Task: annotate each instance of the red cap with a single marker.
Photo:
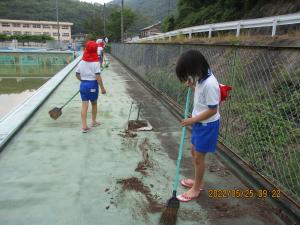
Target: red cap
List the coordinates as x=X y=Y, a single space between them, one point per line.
x=90 y=52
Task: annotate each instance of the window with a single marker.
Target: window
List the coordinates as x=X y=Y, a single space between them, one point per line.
x=7 y=32
x=5 y=25
x=16 y=25
x=37 y=33
x=17 y=32
x=54 y=27
x=65 y=27
x=66 y=35
x=55 y=34
x=46 y=33
x=36 y=25
x=27 y=33
x=26 y=25
x=46 y=26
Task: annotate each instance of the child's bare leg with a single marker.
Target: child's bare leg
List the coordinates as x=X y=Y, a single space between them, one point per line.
x=193 y=155
x=199 y=166
x=85 y=106
x=94 y=112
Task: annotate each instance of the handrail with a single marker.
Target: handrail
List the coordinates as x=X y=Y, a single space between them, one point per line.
x=273 y=22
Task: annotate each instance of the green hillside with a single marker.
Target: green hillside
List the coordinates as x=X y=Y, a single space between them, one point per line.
x=191 y=12
x=156 y=10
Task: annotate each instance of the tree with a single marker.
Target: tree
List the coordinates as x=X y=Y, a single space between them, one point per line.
x=94 y=25
x=168 y=24
x=114 y=22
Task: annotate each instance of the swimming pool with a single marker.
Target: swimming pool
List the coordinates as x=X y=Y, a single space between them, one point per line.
x=24 y=71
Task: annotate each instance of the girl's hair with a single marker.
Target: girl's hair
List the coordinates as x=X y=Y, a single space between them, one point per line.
x=191 y=64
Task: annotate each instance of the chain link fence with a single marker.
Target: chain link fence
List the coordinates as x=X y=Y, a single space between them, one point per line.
x=261 y=121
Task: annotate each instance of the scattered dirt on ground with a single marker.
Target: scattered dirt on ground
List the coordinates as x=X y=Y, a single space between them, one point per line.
x=218 y=209
x=127 y=134
x=136 y=124
x=135 y=184
x=224 y=210
x=215 y=167
x=145 y=163
x=190 y=215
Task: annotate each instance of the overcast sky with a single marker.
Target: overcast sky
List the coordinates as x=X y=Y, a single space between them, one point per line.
x=98 y=1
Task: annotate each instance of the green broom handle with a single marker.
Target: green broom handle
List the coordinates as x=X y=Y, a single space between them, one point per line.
x=181 y=147
x=70 y=99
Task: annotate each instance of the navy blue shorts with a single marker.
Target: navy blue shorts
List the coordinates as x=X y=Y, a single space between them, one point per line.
x=89 y=90
x=205 y=136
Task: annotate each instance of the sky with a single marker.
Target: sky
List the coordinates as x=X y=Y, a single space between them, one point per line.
x=97 y=1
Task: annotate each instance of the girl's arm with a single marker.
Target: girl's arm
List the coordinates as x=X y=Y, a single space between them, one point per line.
x=100 y=82
x=202 y=116
x=78 y=76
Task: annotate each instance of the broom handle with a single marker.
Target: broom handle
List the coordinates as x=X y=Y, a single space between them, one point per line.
x=70 y=99
x=181 y=147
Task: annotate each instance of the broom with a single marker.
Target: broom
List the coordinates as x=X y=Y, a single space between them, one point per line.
x=56 y=111
x=169 y=215
x=106 y=64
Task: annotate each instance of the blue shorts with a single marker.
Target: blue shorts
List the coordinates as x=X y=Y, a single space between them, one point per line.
x=89 y=90
x=205 y=136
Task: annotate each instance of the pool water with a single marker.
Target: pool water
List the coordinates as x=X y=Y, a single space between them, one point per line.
x=21 y=74
x=13 y=91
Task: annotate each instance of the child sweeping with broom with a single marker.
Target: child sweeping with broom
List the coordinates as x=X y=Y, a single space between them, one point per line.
x=193 y=69
x=88 y=72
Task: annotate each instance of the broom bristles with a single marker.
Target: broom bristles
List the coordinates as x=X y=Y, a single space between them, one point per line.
x=169 y=216
x=55 y=113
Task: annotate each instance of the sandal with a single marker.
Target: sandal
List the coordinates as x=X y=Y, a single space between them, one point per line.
x=85 y=130
x=189 y=183
x=184 y=198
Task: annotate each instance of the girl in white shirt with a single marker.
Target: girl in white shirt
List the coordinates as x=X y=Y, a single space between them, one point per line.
x=88 y=72
x=193 y=69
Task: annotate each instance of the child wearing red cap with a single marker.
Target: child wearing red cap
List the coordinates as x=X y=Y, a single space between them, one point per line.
x=88 y=72
x=100 y=50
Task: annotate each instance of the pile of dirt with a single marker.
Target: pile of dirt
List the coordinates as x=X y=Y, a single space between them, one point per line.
x=127 y=134
x=136 y=124
x=145 y=163
x=134 y=184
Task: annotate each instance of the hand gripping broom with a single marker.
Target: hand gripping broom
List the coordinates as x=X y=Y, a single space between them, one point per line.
x=169 y=215
x=56 y=111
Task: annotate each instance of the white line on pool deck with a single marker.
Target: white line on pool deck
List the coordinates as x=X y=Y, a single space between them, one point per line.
x=52 y=174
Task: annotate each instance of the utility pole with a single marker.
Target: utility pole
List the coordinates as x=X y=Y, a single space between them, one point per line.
x=56 y=4
x=104 y=20
x=122 y=22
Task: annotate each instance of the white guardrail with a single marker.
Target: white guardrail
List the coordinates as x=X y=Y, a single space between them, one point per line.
x=273 y=22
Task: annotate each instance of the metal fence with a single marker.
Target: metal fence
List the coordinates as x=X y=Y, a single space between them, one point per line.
x=261 y=121
x=274 y=22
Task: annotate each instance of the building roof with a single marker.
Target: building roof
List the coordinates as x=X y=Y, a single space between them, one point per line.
x=35 y=22
x=149 y=27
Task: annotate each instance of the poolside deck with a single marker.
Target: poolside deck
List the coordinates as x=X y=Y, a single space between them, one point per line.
x=51 y=173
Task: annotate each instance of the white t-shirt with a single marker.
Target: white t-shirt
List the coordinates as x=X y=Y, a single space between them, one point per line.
x=88 y=70
x=99 y=51
x=207 y=95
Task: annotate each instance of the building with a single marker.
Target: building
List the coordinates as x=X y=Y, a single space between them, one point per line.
x=150 y=30
x=18 y=27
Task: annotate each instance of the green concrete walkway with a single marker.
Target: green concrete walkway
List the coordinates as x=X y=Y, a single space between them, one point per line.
x=51 y=173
